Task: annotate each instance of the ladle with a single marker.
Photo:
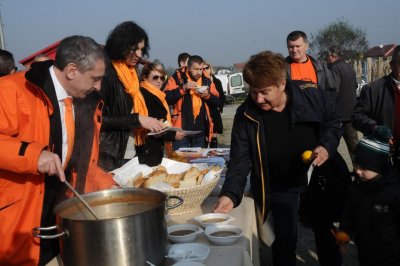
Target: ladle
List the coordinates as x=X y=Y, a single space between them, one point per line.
x=81 y=199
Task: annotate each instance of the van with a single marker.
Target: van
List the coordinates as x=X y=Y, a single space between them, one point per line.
x=232 y=83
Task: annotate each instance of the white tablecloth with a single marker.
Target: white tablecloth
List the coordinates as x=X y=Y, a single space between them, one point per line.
x=245 y=218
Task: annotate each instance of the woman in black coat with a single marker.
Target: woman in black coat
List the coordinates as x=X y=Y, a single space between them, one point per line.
x=150 y=149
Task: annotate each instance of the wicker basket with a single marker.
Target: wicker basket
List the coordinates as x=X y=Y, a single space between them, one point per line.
x=192 y=197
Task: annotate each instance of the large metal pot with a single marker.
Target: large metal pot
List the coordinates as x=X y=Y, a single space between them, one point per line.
x=131 y=229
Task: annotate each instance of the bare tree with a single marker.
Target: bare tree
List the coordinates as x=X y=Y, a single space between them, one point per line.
x=351 y=40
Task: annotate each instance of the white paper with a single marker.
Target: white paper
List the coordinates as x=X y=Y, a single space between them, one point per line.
x=309 y=173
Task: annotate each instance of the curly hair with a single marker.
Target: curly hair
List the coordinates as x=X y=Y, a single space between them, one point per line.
x=125 y=37
x=264 y=69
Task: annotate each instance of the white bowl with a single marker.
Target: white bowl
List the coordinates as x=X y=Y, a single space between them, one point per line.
x=223 y=234
x=188 y=263
x=189 y=252
x=202 y=89
x=180 y=233
x=213 y=219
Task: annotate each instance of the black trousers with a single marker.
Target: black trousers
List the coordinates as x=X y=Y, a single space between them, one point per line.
x=284 y=207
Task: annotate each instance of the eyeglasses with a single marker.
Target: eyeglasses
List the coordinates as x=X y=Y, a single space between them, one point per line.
x=156 y=77
x=206 y=68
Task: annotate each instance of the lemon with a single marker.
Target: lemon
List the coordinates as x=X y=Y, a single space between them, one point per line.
x=306 y=156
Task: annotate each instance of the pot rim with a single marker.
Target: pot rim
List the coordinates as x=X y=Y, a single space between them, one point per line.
x=116 y=195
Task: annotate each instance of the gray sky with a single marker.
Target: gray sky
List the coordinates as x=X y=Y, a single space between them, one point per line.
x=223 y=32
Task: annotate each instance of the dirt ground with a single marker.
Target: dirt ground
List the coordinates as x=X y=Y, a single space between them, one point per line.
x=306 y=252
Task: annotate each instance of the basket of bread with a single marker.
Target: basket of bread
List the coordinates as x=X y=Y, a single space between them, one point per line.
x=192 y=182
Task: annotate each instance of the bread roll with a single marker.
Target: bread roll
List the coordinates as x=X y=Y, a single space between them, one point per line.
x=192 y=173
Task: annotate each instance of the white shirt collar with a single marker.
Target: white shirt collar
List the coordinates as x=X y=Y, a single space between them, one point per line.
x=60 y=91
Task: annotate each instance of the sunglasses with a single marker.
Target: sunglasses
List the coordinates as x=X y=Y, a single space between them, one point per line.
x=206 y=68
x=156 y=77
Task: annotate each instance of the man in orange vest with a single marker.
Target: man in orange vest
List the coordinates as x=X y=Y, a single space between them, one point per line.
x=48 y=133
x=191 y=102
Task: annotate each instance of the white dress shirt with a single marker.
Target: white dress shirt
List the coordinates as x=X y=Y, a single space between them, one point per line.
x=61 y=95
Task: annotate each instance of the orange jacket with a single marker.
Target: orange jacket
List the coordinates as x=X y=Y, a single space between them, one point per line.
x=25 y=112
x=175 y=92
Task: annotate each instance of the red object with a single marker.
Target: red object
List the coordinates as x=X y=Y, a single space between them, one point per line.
x=49 y=51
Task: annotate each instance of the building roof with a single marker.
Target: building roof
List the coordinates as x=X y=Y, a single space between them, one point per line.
x=50 y=51
x=381 y=50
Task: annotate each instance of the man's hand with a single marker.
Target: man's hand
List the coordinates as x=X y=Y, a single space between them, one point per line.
x=321 y=156
x=150 y=123
x=205 y=94
x=189 y=85
x=49 y=163
x=223 y=205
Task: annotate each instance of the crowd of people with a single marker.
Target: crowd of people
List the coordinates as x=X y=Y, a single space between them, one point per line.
x=91 y=110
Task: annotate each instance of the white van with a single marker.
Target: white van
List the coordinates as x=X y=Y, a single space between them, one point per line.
x=232 y=83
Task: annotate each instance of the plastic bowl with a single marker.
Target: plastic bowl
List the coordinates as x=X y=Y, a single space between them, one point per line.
x=213 y=219
x=223 y=234
x=189 y=252
x=183 y=233
x=202 y=89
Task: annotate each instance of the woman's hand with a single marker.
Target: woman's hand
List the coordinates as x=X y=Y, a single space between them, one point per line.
x=223 y=205
x=321 y=155
x=150 y=123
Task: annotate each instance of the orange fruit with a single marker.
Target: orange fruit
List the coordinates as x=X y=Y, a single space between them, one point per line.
x=306 y=156
x=342 y=237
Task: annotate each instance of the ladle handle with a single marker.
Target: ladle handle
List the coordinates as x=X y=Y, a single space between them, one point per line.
x=81 y=199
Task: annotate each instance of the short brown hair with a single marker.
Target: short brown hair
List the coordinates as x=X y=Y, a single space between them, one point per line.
x=150 y=67
x=264 y=69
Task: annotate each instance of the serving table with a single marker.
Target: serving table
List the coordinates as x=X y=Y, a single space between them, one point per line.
x=243 y=252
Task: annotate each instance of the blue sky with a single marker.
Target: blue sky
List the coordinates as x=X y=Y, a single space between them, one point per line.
x=221 y=31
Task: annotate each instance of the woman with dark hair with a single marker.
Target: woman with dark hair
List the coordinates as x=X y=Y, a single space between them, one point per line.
x=125 y=46
x=150 y=149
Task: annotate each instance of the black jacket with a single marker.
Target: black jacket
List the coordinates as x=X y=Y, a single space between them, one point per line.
x=324 y=76
x=372 y=215
x=118 y=120
x=375 y=106
x=344 y=78
x=152 y=151
x=248 y=149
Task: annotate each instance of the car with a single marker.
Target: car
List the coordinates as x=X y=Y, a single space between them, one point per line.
x=361 y=82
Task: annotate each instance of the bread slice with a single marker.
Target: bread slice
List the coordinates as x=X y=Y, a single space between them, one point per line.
x=154 y=178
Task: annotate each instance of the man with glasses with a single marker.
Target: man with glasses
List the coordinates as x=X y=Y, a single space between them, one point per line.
x=192 y=93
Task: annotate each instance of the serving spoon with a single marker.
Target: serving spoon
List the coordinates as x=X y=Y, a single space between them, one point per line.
x=81 y=199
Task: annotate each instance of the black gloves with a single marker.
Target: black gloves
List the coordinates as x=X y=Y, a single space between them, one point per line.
x=382 y=132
